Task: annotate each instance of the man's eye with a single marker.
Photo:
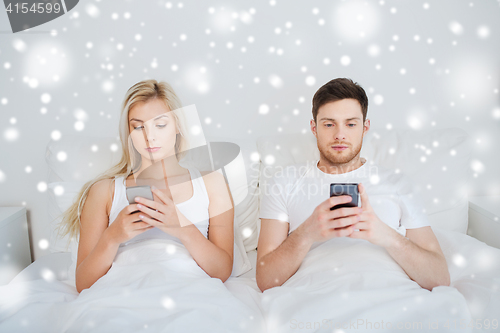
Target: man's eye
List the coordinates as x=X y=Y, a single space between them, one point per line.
x=352 y=125
x=328 y=125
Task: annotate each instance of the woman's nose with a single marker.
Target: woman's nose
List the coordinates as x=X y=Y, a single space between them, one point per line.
x=149 y=133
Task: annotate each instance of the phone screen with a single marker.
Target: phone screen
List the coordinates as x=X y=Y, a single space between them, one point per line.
x=338 y=189
x=143 y=191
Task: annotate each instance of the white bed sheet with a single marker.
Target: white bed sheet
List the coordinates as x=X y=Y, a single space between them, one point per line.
x=337 y=282
x=146 y=289
x=346 y=280
x=58 y=263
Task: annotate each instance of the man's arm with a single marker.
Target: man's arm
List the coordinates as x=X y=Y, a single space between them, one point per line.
x=421 y=257
x=278 y=255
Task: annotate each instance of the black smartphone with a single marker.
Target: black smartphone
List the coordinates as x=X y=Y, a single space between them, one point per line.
x=143 y=191
x=338 y=189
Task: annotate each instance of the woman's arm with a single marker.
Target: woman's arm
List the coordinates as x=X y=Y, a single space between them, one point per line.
x=215 y=254
x=95 y=250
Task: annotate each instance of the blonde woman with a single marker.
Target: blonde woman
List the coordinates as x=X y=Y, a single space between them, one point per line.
x=149 y=120
x=157 y=265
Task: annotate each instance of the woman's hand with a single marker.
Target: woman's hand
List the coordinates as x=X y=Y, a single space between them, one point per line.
x=127 y=225
x=164 y=214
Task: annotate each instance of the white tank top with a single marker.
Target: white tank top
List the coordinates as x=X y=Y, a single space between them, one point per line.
x=194 y=209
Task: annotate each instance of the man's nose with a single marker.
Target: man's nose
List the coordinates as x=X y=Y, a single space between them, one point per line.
x=340 y=135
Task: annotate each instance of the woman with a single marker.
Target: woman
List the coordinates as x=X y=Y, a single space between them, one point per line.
x=150 y=119
x=148 y=266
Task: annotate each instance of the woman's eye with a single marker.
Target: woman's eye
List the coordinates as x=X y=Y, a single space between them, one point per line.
x=139 y=127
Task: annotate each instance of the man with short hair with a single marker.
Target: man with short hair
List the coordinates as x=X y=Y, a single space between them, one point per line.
x=298 y=219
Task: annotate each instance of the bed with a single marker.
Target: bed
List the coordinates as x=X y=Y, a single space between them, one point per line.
x=345 y=285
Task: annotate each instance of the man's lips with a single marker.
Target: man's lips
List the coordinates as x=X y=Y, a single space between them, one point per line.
x=339 y=147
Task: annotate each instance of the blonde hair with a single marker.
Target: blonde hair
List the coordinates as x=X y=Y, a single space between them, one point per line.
x=131 y=160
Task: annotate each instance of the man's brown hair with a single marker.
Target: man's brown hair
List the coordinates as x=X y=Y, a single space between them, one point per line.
x=339 y=89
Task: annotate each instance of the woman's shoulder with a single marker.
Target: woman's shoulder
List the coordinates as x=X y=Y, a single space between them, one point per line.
x=212 y=176
x=104 y=191
x=214 y=182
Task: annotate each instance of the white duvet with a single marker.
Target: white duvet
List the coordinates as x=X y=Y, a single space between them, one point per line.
x=351 y=285
x=153 y=286
x=343 y=285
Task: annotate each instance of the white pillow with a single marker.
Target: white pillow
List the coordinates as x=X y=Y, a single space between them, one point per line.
x=85 y=157
x=57 y=204
x=246 y=211
x=438 y=162
x=403 y=150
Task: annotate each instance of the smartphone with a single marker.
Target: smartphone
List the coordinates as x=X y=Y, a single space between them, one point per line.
x=143 y=191
x=338 y=189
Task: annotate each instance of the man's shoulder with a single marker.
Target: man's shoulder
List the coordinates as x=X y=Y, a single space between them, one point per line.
x=389 y=175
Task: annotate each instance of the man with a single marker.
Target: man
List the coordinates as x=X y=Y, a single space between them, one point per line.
x=299 y=218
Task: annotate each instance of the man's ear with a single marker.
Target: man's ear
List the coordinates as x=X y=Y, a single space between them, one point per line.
x=313 y=127
x=366 y=127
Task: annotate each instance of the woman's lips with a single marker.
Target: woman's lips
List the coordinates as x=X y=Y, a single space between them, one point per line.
x=152 y=150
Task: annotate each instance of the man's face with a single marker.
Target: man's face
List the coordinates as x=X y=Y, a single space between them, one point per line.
x=340 y=123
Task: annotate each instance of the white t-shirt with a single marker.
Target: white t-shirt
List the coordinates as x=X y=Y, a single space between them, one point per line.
x=292 y=193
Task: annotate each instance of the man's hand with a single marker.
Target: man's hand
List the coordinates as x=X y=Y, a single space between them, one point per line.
x=371 y=228
x=324 y=223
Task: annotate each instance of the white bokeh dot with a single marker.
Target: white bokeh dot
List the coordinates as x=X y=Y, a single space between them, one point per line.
x=270 y=159
x=59 y=190
x=168 y=303
x=11 y=134
x=483 y=32
x=41 y=186
x=374 y=179
x=378 y=99
x=345 y=60
x=456 y=28
x=45 y=98
x=264 y=109
x=79 y=125
x=246 y=232
x=195 y=130
x=61 y=156
x=43 y=244
x=254 y=157
x=55 y=135
x=310 y=80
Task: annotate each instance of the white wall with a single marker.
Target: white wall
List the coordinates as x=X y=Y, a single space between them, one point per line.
x=237 y=56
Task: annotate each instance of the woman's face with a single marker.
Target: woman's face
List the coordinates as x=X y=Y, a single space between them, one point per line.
x=153 y=130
